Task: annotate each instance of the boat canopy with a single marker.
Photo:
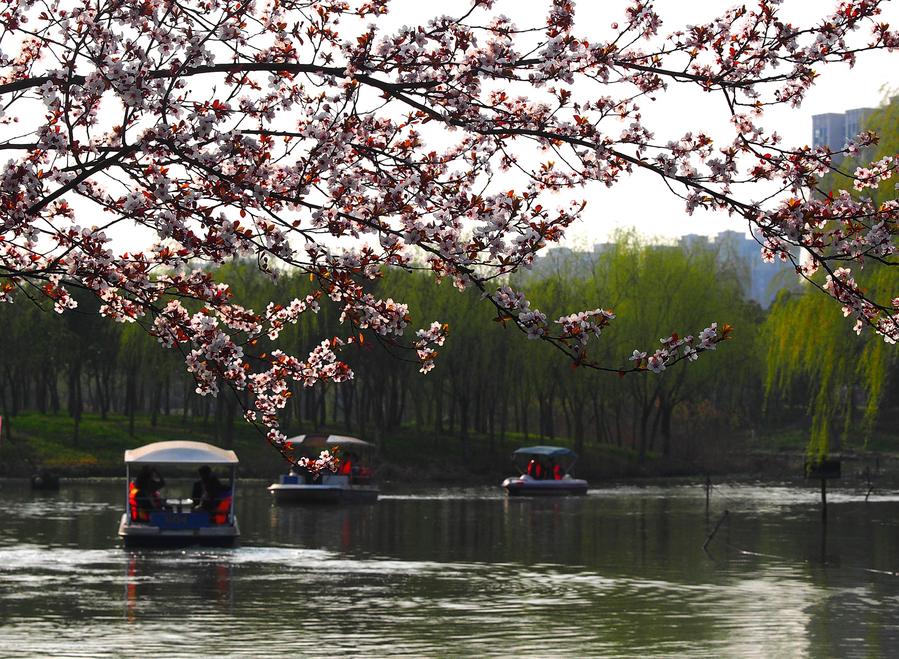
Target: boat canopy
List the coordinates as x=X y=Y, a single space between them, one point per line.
x=545 y=451
x=560 y=455
x=180 y=452
x=322 y=442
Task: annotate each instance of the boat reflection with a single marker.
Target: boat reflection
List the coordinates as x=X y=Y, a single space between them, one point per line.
x=338 y=529
x=154 y=585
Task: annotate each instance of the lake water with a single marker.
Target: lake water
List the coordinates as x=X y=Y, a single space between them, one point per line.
x=620 y=572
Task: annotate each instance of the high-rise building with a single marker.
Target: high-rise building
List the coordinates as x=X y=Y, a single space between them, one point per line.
x=761 y=281
x=835 y=129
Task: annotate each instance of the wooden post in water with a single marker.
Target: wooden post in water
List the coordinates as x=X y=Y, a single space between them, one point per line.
x=823 y=469
x=714 y=531
x=869 y=477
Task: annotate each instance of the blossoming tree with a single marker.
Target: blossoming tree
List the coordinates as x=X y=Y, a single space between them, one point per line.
x=313 y=135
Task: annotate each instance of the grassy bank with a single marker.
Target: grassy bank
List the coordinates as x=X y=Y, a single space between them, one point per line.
x=46 y=441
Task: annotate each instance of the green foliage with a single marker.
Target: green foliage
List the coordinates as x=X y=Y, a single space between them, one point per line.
x=492 y=388
x=811 y=350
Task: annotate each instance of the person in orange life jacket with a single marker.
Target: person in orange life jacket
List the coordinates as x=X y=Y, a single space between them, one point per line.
x=207 y=491
x=148 y=484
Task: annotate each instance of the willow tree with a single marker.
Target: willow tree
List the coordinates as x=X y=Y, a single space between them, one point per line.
x=315 y=134
x=809 y=346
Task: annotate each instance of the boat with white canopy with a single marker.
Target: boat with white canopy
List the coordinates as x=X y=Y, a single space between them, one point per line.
x=351 y=483
x=206 y=517
x=545 y=471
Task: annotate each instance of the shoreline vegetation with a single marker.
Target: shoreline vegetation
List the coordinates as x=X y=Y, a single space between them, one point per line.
x=76 y=391
x=43 y=441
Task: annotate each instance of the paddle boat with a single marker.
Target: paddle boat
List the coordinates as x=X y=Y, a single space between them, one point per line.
x=351 y=483
x=45 y=480
x=545 y=471
x=206 y=518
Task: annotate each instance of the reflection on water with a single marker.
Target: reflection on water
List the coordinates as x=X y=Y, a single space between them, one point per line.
x=619 y=572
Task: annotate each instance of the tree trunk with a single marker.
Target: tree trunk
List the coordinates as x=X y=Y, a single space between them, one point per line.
x=438 y=407
x=167 y=395
x=523 y=417
x=322 y=406
x=131 y=398
x=13 y=392
x=155 y=395
x=665 y=412
x=102 y=392
x=230 y=414
x=644 y=433
x=578 y=417
x=188 y=400
x=463 y=423
x=503 y=419
x=418 y=405
x=347 y=392
x=53 y=389
x=75 y=400
x=335 y=409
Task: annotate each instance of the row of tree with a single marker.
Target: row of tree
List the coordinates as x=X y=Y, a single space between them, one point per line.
x=490 y=380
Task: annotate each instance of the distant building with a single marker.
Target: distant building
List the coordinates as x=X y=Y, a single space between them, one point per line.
x=761 y=281
x=834 y=130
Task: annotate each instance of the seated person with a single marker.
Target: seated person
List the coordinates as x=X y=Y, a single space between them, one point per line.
x=303 y=475
x=361 y=474
x=144 y=494
x=535 y=469
x=207 y=491
x=558 y=474
x=346 y=465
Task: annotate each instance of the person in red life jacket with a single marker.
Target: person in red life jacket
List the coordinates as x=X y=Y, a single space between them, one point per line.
x=137 y=514
x=143 y=495
x=536 y=470
x=557 y=472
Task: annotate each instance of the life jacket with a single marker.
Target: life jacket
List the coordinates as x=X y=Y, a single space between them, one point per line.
x=557 y=472
x=346 y=467
x=220 y=514
x=137 y=513
x=363 y=475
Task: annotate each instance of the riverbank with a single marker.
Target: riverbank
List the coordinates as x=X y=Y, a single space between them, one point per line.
x=45 y=441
